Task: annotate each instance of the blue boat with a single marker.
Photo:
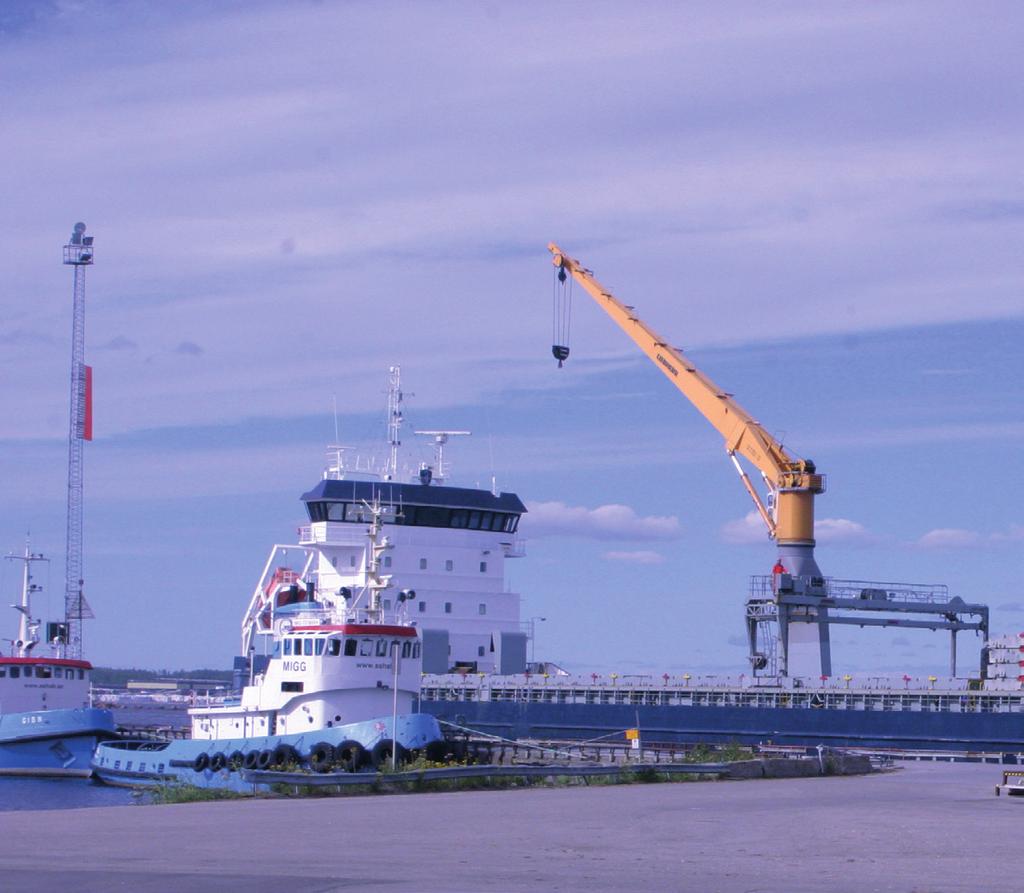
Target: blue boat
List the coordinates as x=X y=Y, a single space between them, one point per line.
x=47 y=724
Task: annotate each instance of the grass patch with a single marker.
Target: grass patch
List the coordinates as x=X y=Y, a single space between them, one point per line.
x=182 y=792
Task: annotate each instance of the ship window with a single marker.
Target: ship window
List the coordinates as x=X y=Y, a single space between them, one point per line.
x=459 y=518
x=485 y=520
x=308 y=647
x=350 y=648
x=291 y=686
x=423 y=564
x=483 y=567
x=449 y=565
x=482 y=608
x=287 y=646
x=423 y=607
x=447 y=607
x=365 y=647
x=334 y=648
x=430 y=516
x=3 y=671
x=415 y=649
x=499 y=521
x=382 y=648
x=43 y=672
x=320 y=646
x=335 y=511
x=474 y=520
x=58 y=673
x=510 y=523
x=479 y=650
x=406 y=649
x=81 y=674
x=117 y=764
x=16 y=672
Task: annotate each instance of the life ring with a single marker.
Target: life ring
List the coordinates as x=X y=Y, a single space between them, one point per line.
x=380 y=756
x=251 y=759
x=236 y=760
x=265 y=759
x=285 y=755
x=321 y=757
x=350 y=755
x=218 y=761
x=201 y=762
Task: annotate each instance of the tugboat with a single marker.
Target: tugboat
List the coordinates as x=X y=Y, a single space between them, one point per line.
x=335 y=692
x=48 y=727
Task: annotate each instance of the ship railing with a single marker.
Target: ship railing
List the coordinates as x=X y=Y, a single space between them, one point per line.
x=762 y=588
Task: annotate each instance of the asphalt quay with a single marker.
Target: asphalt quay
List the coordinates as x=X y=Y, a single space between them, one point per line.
x=922 y=828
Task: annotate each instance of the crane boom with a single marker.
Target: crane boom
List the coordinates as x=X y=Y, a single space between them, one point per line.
x=792 y=482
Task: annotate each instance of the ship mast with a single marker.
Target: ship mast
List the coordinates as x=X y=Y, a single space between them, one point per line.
x=79 y=254
x=28 y=627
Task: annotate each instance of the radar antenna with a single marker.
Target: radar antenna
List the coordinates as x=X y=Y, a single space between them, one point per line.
x=440 y=439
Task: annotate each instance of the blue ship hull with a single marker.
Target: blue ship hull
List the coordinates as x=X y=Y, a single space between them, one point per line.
x=52 y=743
x=910 y=730
x=191 y=761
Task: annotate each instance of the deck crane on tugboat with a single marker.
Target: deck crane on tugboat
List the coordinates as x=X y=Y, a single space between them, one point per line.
x=798 y=597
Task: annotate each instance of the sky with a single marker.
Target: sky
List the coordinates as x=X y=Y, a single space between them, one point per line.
x=822 y=203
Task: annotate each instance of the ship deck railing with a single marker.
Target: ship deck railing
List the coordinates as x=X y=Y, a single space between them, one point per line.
x=560 y=690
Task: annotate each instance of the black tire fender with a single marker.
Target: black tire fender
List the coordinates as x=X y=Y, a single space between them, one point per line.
x=350 y=755
x=265 y=759
x=321 y=757
x=251 y=760
x=201 y=762
x=218 y=761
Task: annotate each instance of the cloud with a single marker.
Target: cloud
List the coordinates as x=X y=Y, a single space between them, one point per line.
x=190 y=349
x=118 y=342
x=841 y=531
x=748 y=529
x=642 y=556
x=606 y=522
x=949 y=538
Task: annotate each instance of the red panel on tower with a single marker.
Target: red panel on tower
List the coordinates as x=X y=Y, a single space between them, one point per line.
x=87 y=419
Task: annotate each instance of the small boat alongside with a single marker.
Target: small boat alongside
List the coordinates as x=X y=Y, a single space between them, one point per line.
x=48 y=727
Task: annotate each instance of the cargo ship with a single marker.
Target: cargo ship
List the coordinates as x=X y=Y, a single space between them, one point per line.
x=449 y=545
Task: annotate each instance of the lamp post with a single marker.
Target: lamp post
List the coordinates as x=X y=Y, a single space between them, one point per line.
x=533 y=635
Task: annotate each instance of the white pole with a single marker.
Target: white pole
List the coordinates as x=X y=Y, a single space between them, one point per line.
x=394 y=707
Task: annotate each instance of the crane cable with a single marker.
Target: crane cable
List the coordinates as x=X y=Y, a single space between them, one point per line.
x=561 y=315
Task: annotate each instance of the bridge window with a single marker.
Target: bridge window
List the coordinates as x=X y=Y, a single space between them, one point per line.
x=459 y=517
x=81 y=674
x=320 y=646
x=3 y=671
x=307 y=647
x=406 y=649
x=335 y=511
x=365 y=647
x=43 y=672
x=350 y=648
x=287 y=646
x=291 y=686
x=58 y=672
x=474 y=520
x=415 y=649
x=382 y=648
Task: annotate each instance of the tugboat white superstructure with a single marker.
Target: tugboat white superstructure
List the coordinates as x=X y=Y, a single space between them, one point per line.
x=336 y=689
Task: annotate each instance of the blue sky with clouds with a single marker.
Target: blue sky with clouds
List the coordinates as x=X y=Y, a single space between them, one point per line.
x=822 y=203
